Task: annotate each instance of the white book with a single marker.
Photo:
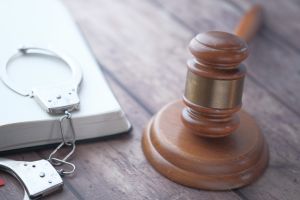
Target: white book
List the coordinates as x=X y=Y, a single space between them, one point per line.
x=23 y=123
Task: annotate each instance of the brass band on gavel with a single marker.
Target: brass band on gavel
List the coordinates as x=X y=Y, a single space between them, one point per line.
x=215 y=93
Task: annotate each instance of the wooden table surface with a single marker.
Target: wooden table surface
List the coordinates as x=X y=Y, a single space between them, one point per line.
x=141 y=46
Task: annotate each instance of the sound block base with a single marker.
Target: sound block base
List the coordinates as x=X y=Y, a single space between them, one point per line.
x=212 y=164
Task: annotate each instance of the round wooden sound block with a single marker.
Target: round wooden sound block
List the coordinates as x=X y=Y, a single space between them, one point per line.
x=205 y=163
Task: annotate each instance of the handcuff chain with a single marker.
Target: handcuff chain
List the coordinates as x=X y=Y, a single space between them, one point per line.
x=71 y=143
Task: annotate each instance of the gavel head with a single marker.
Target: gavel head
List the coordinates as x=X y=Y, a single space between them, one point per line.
x=214 y=84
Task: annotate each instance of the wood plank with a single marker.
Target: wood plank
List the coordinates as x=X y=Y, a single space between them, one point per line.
x=134 y=49
x=149 y=61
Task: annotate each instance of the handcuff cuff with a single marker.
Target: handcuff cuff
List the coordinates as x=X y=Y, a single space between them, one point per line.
x=40 y=178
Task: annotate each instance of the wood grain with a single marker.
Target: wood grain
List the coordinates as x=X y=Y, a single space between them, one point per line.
x=142 y=46
x=147 y=65
x=178 y=153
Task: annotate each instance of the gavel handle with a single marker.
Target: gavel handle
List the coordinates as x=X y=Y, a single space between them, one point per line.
x=250 y=23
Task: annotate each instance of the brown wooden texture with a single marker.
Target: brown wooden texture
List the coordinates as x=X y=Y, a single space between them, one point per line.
x=142 y=47
x=250 y=23
x=214 y=83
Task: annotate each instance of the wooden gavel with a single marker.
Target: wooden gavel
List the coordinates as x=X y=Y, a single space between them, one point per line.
x=214 y=83
x=206 y=141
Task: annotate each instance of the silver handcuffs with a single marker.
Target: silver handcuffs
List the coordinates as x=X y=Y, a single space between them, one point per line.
x=40 y=178
x=53 y=98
